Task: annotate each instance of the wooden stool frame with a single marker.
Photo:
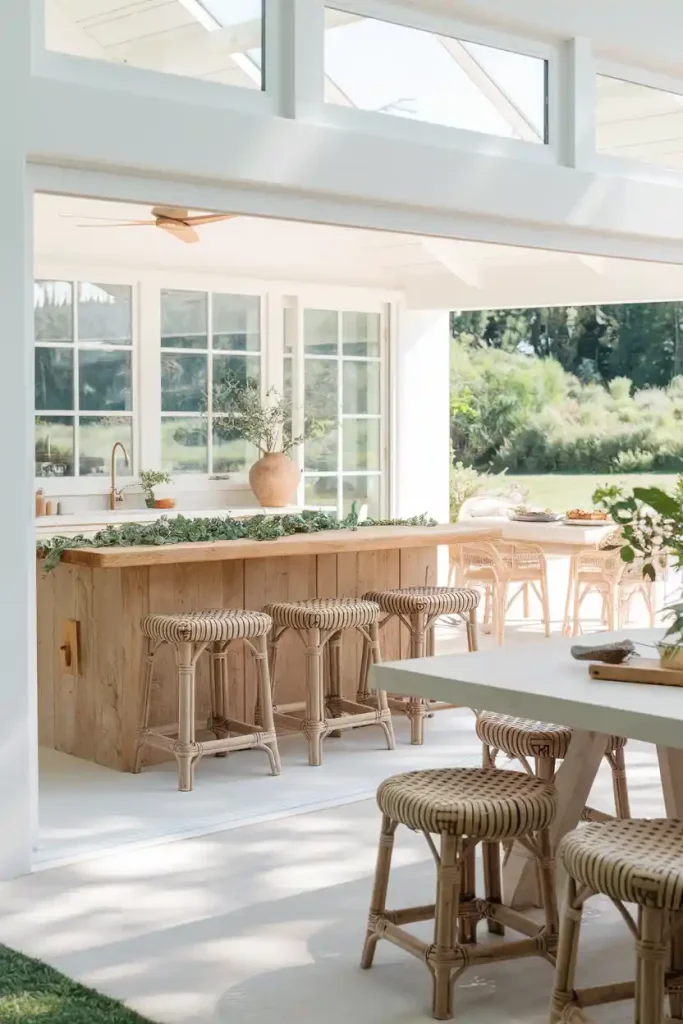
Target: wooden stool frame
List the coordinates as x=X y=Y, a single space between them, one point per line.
x=326 y=712
x=231 y=734
x=421 y=629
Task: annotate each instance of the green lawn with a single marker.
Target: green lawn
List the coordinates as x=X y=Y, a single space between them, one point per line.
x=33 y=993
x=561 y=492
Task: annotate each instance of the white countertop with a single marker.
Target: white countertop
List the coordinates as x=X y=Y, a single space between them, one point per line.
x=84 y=522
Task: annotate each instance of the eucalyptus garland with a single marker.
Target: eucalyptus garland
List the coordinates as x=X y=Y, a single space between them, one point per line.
x=181 y=530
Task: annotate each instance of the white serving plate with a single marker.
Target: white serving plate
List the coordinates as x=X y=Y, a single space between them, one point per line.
x=589 y=522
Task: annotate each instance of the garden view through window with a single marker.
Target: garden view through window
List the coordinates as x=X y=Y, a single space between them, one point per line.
x=549 y=404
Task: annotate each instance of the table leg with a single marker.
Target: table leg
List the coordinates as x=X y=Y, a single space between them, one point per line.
x=671 y=772
x=573 y=783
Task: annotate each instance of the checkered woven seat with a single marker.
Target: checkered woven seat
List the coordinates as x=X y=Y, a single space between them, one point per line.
x=522 y=737
x=637 y=861
x=432 y=600
x=474 y=802
x=206 y=626
x=324 y=613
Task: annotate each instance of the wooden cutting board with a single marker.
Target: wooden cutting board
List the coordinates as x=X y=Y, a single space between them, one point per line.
x=640 y=670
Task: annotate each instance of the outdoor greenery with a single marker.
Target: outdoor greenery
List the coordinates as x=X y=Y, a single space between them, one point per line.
x=180 y=530
x=33 y=993
x=515 y=411
x=466 y=483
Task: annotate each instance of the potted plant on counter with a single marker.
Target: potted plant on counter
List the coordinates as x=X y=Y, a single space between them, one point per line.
x=151 y=478
x=651 y=523
x=274 y=478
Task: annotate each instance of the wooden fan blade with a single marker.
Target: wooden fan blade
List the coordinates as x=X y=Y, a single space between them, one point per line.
x=123 y=224
x=211 y=218
x=170 y=213
x=182 y=232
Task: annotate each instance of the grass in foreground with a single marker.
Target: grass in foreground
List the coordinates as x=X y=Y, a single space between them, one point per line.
x=33 y=993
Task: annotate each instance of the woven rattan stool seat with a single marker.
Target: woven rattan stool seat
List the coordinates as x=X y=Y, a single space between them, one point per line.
x=323 y=613
x=637 y=861
x=522 y=737
x=475 y=802
x=432 y=600
x=206 y=626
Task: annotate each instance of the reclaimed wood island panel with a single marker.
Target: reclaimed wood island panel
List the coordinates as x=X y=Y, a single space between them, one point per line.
x=91 y=708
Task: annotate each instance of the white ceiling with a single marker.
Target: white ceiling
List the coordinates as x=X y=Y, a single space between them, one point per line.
x=430 y=272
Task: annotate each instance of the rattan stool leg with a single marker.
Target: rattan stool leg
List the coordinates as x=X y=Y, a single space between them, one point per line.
x=617 y=763
x=676 y=998
x=378 y=901
x=314 y=724
x=467 y=926
x=260 y=651
x=493 y=882
x=567 y=950
x=446 y=914
x=186 y=749
x=375 y=658
x=417 y=707
x=218 y=690
x=651 y=960
x=146 y=704
x=362 y=694
x=333 y=701
x=472 y=638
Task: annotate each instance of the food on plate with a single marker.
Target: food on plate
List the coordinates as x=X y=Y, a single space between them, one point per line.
x=530 y=510
x=595 y=514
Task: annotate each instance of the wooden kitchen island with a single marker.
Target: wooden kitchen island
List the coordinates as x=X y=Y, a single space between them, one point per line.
x=94 y=601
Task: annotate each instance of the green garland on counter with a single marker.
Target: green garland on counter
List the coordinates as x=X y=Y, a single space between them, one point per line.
x=180 y=530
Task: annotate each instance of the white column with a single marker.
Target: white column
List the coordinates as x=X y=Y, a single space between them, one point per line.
x=18 y=747
x=421 y=414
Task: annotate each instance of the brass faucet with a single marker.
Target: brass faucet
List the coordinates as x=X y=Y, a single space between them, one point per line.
x=115 y=495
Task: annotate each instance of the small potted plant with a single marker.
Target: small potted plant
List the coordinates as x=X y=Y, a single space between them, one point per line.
x=273 y=478
x=651 y=522
x=151 y=478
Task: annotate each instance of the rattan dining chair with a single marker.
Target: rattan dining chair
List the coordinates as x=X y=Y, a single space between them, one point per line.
x=496 y=567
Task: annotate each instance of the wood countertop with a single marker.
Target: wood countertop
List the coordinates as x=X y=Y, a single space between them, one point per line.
x=365 y=538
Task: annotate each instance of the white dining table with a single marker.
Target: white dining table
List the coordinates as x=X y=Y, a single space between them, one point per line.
x=541 y=681
x=562 y=538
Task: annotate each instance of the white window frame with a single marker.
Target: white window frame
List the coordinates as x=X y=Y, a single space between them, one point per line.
x=344 y=301
x=94 y=73
x=93 y=484
x=146 y=287
x=623 y=166
x=442 y=135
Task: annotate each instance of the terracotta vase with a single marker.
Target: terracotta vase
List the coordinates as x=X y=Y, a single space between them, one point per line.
x=274 y=480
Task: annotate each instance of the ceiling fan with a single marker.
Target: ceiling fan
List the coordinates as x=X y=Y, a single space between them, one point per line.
x=173 y=219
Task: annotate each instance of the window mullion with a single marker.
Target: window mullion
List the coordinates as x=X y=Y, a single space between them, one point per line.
x=76 y=379
x=209 y=383
x=147 y=346
x=340 y=416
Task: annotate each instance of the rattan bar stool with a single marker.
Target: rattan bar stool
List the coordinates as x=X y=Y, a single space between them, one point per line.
x=418 y=608
x=193 y=633
x=545 y=744
x=320 y=624
x=637 y=862
x=464 y=807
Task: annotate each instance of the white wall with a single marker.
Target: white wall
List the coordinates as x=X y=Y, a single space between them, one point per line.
x=422 y=370
x=18 y=715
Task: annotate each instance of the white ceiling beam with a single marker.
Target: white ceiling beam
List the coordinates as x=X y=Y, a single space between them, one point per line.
x=595 y=263
x=450 y=255
x=491 y=90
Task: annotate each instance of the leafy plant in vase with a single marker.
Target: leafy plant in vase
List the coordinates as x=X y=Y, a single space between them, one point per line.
x=274 y=478
x=651 y=522
x=151 y=478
